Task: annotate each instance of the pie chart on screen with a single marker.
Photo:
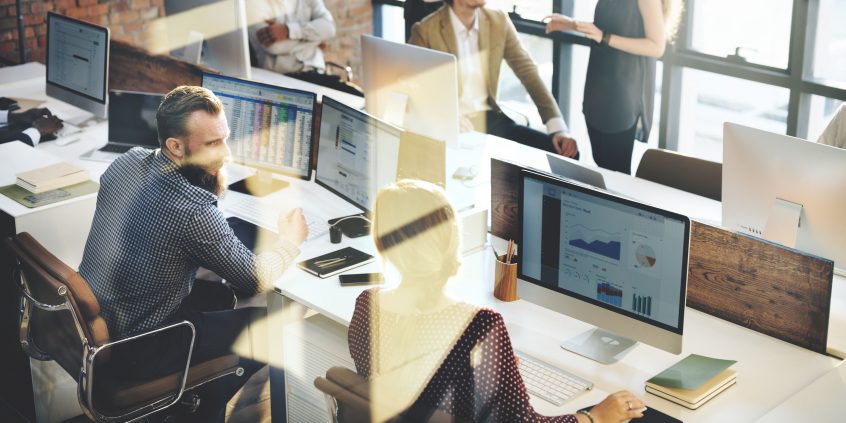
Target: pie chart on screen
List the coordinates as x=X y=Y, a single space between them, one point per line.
x=645 y=255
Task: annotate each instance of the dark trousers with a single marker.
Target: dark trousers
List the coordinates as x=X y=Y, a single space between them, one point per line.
x=500 y=125
x=218 y=326
x=613 y=151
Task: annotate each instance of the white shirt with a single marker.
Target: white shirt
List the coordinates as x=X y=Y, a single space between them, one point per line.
x=309 y=23
x=835 y=133
x=474 y=94
x=33 y=133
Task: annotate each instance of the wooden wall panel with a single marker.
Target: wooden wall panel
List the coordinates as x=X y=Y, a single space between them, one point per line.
x=763 y=286
x=135 y=69
x=754 y=283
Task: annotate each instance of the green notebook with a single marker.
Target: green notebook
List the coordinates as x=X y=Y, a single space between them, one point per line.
x=31 y=200
x=691 y=372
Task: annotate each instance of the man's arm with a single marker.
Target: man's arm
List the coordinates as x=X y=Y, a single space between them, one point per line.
x=212 y=244
x=321 y=26
x=526 y=70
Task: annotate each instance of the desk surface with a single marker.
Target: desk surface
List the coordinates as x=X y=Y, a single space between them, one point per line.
x=769 y=370
x=821 y=401
x=538 y=332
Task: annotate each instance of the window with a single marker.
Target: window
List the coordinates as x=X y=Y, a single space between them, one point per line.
x=830 y=42
x=708 y=100
x=512 y=94
x=758 y=30
x=528 y=9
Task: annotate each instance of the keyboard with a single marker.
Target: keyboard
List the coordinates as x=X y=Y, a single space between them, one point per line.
x=116 y=148
x=549 y=382
x=267 y=216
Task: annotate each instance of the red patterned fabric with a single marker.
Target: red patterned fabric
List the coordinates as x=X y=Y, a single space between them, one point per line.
x=492 y=391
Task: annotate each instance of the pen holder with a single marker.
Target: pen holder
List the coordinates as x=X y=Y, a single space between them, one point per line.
x=505 y=279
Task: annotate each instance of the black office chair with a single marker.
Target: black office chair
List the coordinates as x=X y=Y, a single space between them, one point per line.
x=676 y=170
x=60 y=320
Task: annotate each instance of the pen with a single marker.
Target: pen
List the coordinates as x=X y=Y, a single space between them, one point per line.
x=330 y=262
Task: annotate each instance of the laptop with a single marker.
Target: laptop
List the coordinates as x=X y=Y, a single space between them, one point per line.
x=132 y=123
x=571 y=170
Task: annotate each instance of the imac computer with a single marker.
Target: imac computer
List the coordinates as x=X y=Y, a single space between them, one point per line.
x=357 y=154
x=412 y=87
x=78 y=63
x=608 y=261
x=210 y=32
x=270 y=130
x=786 y=190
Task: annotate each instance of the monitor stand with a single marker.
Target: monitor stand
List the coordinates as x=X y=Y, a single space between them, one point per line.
x=259 y=185
x=783 y=223
x=599 y=345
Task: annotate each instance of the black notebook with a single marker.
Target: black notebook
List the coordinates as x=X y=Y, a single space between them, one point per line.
x=335 y=262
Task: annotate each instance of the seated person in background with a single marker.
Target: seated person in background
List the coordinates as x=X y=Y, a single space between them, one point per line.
x=415 y=10
x=29 y=126
x=155 y=224
x=422 y=350
x=480 y=38
x=835 y=133
x=286 y=34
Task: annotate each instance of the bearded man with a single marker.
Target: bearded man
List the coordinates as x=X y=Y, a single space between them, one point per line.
x=156 y=223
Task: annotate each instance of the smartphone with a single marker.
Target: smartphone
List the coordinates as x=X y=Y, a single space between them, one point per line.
x=360 y=278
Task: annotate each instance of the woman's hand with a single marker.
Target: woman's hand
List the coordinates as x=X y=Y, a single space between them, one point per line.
x=590 y=30
x=559 y=23
x=618 y=407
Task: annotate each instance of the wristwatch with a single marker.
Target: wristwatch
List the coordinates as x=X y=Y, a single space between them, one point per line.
x=606 y=38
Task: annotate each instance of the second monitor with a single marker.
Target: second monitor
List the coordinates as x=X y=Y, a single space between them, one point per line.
x=271 y=129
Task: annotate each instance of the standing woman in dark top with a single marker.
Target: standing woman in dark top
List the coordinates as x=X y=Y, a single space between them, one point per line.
x=629 y=36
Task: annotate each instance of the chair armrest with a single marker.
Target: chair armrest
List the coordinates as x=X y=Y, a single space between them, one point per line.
x=346 y=69
x=86 y=377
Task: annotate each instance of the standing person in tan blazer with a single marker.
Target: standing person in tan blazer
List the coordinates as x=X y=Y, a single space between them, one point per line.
x=481 y=38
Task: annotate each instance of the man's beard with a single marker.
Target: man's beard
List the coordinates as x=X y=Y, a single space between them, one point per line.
x=200 y=177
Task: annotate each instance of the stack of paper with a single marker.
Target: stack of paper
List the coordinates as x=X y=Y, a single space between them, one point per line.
x=51 y=177
x=693 y=381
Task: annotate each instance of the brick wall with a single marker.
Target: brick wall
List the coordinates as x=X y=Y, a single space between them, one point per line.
x=352 y=18
x=129 y=20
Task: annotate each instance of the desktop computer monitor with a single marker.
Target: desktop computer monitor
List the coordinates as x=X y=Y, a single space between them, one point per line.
x=78 y=63
x=270 y=129
x=357 y=154
x=786 y=190
x=608 y=261
x=412 y=87
x=210 y=32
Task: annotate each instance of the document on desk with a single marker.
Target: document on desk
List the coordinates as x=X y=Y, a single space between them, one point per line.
x=691 y=372
x=31 y=200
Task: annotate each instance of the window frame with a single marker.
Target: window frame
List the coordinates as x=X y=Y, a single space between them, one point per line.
x=797 y=77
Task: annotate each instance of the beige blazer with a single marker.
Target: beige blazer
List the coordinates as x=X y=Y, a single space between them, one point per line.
x=497 y=41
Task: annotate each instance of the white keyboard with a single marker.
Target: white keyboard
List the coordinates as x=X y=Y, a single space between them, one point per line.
x=267 y=216
x=67 y=129
x=549 y=382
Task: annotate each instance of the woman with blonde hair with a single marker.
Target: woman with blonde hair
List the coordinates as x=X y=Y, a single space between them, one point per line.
x=423 y=351
x=628 y=35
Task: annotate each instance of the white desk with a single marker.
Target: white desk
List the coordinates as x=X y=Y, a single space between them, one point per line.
x=821 y=401
x=769 y=370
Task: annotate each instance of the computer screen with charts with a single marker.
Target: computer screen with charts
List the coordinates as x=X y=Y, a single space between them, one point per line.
x=606 y=260
x=270 y=127
x=357 y=154
x=78 y=63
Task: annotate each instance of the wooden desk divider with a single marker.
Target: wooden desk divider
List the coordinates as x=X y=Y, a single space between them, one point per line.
x=133 y=68
x=775 y=290
x=766 y=287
